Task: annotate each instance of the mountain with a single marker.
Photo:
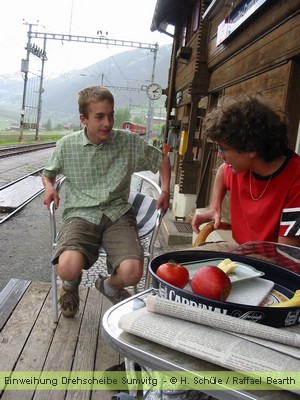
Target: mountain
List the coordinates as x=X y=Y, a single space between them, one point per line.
x=124 y=74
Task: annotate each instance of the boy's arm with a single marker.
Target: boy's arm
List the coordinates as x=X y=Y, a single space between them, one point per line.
x=214 y=211
x=163 y=201
x=50 y=193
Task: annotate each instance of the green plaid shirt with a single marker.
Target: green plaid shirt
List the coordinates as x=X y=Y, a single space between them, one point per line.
x=98 y=176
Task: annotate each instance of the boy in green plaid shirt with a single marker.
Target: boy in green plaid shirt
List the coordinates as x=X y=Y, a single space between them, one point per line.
x=98 y=163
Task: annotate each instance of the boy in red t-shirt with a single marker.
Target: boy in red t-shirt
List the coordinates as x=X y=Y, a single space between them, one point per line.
x=260 y=171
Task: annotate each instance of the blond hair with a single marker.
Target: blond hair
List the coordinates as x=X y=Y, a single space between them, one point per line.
x=91 y=94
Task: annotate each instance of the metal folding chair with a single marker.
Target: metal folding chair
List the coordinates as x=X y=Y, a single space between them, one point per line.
x=148 y=222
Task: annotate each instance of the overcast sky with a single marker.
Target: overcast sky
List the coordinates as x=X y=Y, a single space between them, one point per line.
x=122 y=19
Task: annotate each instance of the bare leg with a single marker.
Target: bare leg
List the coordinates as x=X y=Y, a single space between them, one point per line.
x=128 y=273
x=70 y=265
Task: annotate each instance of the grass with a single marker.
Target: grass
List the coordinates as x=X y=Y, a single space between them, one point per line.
x=12 y=138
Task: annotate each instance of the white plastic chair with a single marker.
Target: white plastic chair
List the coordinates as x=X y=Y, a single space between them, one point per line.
x=148 y=223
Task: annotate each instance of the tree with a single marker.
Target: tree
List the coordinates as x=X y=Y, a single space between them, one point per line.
x=139 y=120
x=121 y=115
x=48 y=125
x=59 y=127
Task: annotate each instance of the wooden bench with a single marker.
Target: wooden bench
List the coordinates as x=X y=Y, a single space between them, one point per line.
x=10 y=297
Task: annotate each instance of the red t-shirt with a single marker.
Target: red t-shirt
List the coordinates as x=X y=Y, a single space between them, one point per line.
x=276 y=213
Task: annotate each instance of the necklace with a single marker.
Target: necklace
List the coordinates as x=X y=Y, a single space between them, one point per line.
x=263 y=192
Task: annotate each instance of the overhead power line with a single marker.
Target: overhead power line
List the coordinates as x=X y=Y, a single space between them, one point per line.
x=91 y=39
x=79 y=39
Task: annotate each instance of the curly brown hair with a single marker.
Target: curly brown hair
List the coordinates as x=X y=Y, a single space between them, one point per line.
x=248 y=124
x=91 y=94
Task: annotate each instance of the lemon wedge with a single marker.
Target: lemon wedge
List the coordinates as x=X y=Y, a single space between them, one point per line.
x=228 y=266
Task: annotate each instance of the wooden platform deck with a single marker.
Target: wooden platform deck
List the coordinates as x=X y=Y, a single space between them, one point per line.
x=12 y=197
x=29 y=341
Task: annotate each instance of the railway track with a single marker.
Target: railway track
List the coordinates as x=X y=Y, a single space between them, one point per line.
x=8 y=151
x=17 y=194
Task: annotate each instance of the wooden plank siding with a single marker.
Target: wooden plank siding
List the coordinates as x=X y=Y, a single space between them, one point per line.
x=269 y=52
x=271 y=84
x=29 y=341
x=267 y=21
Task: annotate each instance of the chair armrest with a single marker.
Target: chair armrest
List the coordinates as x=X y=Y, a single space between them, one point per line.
x=206 y=230
x=150 y=181
x=52 y=223
x=59 y=183
x=52 y=208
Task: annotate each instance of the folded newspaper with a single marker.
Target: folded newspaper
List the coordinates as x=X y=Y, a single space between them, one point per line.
x=220 y=339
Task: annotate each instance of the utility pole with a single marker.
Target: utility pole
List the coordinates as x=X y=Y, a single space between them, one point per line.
x=41 y=54
x=25 y=70
x=151 y=102
x=41 y=90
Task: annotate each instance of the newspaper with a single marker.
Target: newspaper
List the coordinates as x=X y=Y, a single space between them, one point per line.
x=221 y=321
x=200 y=333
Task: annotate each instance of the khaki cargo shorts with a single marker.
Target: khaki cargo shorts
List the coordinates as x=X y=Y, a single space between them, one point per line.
x=119 y=239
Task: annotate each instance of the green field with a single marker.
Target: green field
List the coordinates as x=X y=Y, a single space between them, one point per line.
x=13 y=138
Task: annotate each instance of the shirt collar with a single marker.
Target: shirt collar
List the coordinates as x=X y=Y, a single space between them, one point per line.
x=86 y=141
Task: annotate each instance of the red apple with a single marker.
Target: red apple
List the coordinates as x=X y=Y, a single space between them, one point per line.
x=211 y=282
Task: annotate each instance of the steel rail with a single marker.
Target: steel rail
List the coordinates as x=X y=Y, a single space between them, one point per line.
x=9 y=151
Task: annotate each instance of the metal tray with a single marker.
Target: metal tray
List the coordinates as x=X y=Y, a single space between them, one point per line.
x=285 y=283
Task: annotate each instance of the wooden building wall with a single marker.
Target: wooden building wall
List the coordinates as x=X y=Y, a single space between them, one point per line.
x=263 y=55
